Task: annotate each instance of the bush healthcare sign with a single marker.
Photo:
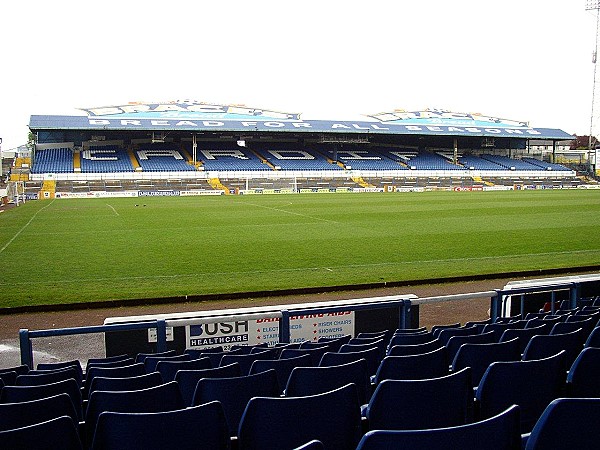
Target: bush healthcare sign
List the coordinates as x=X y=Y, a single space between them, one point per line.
x=252 y=332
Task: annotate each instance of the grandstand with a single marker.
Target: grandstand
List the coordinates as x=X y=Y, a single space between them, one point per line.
x=249 y=150
x=251 y=378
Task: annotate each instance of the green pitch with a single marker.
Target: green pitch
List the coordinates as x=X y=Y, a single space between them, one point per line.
x=60 y=251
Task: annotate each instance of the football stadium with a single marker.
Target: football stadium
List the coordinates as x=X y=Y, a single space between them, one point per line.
x=243 y=278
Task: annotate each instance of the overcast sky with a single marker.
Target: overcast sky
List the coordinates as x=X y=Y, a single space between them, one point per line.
x=527 y=60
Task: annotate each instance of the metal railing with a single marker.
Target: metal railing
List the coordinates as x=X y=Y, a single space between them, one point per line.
x=404 y=303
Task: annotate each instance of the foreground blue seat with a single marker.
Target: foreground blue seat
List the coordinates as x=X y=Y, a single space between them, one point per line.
x=500 y=432
x=455 y=342
x=22 y=414
x=372 y=356
x=567 y=424
x=200 y=427
x=583 y=379
x=421 y=404
x=168 y=368
x=530 y=384
x=126 y=383
x=37 y=377
x=59 y=433
x=479 y=356
x=413 y=367
x=278 y=423
x=543 y=346
x=132 y=370
x=593 y=339
x=164 y=397
x=305 y=381
x=187 y=380
x=234 y=393
x=282 y=367
x=16 y=394
x=61 y=365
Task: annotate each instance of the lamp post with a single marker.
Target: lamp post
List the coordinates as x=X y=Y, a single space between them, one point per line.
x=593 y=5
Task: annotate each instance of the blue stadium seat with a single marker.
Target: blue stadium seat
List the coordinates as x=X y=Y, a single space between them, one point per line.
x=455 y=342
x=523 y=335
x=187 y=380
x=126 y=383
x=420 y=404
x=530 y=384
x=479 y=356
x=583 y=379
x=315 y=353
x=414 y=367
x=168 y=368
x=305 y=381
x=234 y=393
x=63 y=364
x=201 y=427
x=444 y=335
x=22 y=414
x=151 y=362
x=593 y=339
x=286 y=422
x=405 y=350
x=543 y=346
x=283 y=367
x=37 y=377
x=164 y=397
x=59 y=433
x=132 y=370
x=566 y=424
x=335 y=359
x=500 y=432
x=15 y=394
x=245 y=361
x=410 y=339
x=140 y=357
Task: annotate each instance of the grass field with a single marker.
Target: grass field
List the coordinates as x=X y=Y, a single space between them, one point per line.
x=62 y=251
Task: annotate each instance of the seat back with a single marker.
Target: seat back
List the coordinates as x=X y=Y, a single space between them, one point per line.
x=200 y=427
x=593 y=339
x=455 y=342
x=145 y=381
x=336 y=343
x=417 y=349
x=150 y=362
x=567 y=423
x=583 y=379
x=543 y=346
x=196 y=353
x=282 y=367
x=19 y=370
x=479 y=356
x=8 y=378
x=315 y=353
x=107 y=364
x=500 y=432
x=445 y=335
x=164 y=397
x=16 y=394
x=245 y=361
x=529 y=384
x=436 y=329
x=141 y=357
x=187 y=380
x=410 y=339
x=22 y=414
x=305 y=381
x=421 y=404
x=168 y=368
x=380 y=345
x=335 y=359
x=234 y=393
x=414 y=367
x=37 y=377
x=333 y=418
x=111 y=372
x=60 y=432
x=61 y=365
x=523 y=335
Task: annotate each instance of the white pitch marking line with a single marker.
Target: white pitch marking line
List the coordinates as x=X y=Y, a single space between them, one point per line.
x=114 y=210
x=25 y=226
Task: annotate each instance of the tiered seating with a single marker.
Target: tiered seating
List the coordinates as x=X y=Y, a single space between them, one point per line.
x=291 y=158
x=293 y=394
x=508 y=163
x=545 y=165
x=224 y=158
x=53 y=160
x=105 y=159
x=162 y=158
x=478 y=163
x=360 y=158
x=431 y=161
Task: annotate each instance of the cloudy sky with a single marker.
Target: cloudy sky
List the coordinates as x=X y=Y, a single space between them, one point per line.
x=527 y=60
